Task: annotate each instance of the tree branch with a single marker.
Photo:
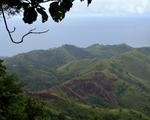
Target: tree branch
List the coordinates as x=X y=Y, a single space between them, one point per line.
x=31 y=32
x=10 y=32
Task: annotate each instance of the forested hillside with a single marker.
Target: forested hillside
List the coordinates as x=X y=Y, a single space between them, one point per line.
x=40 y=66
x=116 y=77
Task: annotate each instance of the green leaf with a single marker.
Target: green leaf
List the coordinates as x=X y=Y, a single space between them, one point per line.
x=30 y=15
x=43 y=13
x=56 y=11
x=66 y=5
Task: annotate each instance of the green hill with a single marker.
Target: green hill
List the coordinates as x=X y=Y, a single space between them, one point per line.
x=37 y=68
x=108 y=51
x=111 y=76
x=120 y=81
x=76 y=111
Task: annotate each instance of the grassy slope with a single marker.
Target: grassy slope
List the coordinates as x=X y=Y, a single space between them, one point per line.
x=108 y=51
x=127 y=70
x=78 y=111
x=37 y=69
x=129 y=73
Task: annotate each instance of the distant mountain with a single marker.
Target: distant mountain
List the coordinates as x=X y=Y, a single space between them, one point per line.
x=107 y=51
x=103 y=75
x=37 y=68
x=78 y=53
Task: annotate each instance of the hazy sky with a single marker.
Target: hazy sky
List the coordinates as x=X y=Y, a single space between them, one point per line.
x=104 y=22
x=113 y=7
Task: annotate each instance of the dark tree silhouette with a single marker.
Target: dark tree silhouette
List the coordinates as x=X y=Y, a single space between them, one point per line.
x=31 y=9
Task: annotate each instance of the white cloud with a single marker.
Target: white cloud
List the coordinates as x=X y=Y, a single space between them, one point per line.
x=112 y=7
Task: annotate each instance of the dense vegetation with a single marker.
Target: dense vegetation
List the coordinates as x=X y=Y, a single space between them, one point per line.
x=95 y=83
x=13 y=104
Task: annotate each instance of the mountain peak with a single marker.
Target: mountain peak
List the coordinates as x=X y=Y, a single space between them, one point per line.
x=102 y=45
x=107 y=51
x=69 y=46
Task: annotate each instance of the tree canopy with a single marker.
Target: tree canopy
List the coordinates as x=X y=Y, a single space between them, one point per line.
x=31 y=9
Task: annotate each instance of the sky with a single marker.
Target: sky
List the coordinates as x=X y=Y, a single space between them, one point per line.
x=113 y=7
x=103 y=22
